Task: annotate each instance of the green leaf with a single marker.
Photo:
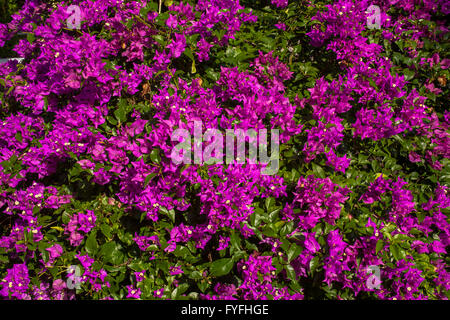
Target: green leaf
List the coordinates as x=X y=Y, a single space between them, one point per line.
x=318 y=171
x=162 y=18
x=313 y=264
x=170 y=213
x=106 y=230
x=269 y=231
x=91 y=244
x=19 y=136
x=121 y=111
x=188 y=53
x=36 y=210
x=293 y=252
x=196 y=275
x=179 y=290
x=153 y=6
x=235 y=241
x=203 y=285
x=409 y=74
x=148 y=178
x=290 y=272
x=112 y=253
x=159 y=38
x=397 y=252
x=269 y=203
x=31 y=37
x=379 y=246
x=65 y=218
x=182 y=252
x=154 y=156
x=221 y=267
x=120 y=114
x=112 y=120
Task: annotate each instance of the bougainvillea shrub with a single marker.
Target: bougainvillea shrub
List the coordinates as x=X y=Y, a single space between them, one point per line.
x=92 y=205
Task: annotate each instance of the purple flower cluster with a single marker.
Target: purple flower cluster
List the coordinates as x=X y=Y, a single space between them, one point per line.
x=16 y=282
x=80 y=222
x=368 y=78
x=90 y=275
x=258 y=274
x=315 y=199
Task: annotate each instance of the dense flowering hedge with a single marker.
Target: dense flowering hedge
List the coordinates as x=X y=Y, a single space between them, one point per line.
x=93 y=207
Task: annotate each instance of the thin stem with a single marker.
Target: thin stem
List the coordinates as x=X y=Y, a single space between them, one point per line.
x=142 y=21
x=173 y=76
